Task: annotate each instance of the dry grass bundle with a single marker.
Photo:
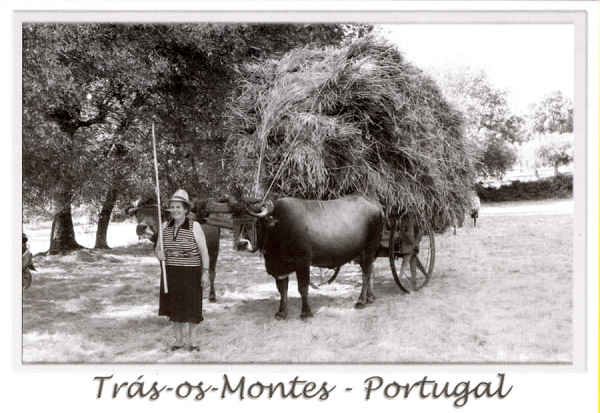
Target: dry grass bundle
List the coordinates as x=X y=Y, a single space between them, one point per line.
x=358 y=119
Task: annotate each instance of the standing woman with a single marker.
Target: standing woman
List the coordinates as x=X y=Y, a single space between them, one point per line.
x=186 y=258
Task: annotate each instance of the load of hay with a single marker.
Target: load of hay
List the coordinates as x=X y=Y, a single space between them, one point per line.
x=321 y=123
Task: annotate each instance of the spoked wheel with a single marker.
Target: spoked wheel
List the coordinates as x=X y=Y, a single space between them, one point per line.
x=421 y=261
x=398 y=263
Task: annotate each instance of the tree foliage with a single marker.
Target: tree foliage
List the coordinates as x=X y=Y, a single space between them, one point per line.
x=490 y=125
x=192 y=101
x=555 y=153
x=552 y=114
x=76 y=84
x=92 y=91
x=498 y=156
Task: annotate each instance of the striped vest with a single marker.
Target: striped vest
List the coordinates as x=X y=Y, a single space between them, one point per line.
x=180 y=248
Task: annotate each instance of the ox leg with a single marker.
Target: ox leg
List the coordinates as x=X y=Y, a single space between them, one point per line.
x=366 y=293
x=370 y=296
x=212 y=297
x=282 y=287
x=213 y=235
x=303 y=275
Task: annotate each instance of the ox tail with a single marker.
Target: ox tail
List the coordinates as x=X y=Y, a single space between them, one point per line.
x=333 y=277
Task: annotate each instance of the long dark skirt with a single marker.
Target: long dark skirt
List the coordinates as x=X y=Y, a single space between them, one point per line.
x=183 y=302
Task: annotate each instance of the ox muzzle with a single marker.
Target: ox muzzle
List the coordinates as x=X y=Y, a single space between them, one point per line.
x=245 y=233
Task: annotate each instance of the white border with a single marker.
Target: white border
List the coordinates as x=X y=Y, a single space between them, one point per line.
x=551 y=394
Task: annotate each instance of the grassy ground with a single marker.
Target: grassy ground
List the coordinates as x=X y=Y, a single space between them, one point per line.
x=500 y=293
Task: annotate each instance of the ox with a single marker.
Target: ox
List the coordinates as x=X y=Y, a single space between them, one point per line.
x=295 y=234
x=146 y=215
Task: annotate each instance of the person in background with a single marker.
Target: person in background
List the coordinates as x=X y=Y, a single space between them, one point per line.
x=27 y=264
x=183 y=247
x=474 y=207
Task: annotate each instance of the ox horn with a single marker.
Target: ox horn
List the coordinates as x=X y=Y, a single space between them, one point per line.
x=263 y=212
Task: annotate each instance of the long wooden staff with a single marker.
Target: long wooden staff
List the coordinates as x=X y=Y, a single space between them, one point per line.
x=160 y=237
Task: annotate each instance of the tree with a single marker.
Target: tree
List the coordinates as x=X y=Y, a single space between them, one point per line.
x=490 y=125
x=498 y=156
x=91 y=91
x=555 y=153
x=72 y=83
x=553 y=114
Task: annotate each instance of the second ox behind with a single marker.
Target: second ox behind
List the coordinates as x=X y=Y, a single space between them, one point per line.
x=294 y=234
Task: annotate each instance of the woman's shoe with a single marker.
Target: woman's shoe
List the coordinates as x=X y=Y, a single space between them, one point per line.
x=193 y=348
x=175 y=348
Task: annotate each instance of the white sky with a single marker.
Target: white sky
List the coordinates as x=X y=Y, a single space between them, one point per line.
x=527 y=60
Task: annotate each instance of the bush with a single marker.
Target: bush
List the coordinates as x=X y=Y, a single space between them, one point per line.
x=556 y=187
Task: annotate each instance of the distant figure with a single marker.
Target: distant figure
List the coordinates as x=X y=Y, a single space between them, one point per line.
x=27 y=264
x=475 y=205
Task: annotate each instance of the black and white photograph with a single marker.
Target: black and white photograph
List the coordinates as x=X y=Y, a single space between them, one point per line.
x=299 y=192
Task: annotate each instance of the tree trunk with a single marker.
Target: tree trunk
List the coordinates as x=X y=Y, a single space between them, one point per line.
x=104 y=218
x=194 y=168
x=62 y=237
x=555 y=169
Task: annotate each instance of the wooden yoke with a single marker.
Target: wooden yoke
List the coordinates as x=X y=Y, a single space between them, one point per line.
x=219 y=214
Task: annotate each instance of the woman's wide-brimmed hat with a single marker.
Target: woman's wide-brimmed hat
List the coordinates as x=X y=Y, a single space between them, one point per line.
x=181 y=195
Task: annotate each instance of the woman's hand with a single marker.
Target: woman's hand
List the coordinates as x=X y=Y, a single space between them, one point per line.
x=160 y=254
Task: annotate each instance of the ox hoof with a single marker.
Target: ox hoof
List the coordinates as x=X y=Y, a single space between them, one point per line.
x=359 y=305
x=371 y=299
x=305 y=315
x=212 y=298
x=280 y=315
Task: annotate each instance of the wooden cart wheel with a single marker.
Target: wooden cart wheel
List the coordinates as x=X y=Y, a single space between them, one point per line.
x=421 y=262
x=397 y=260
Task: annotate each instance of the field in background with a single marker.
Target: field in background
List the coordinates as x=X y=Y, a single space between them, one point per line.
x=527 y=167
x=500 y=293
